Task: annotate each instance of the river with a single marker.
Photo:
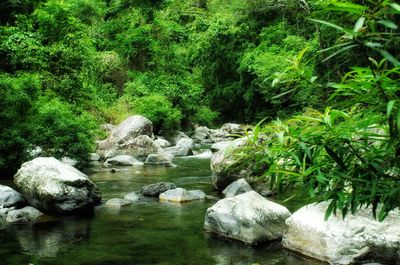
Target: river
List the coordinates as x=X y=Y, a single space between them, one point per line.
x=146 y=232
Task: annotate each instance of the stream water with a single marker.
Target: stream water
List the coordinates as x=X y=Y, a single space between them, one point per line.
x=146 y=232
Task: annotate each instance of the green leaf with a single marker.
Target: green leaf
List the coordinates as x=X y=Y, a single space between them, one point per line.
x=372 y=44
x=389 y=108
x=389 y=24
x=331 y=208
x=395 y=6
x=398 y=121
x=359 y=24
x=347 y=7
x=339 y=51
x=329 y=24
x=389 y=57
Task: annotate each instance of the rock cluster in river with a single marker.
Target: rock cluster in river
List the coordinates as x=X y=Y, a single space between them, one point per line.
x=132 y=143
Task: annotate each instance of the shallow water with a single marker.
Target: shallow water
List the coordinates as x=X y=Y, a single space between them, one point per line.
x=146 y=232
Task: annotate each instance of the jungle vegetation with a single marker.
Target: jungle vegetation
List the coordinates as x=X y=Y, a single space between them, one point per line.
x=322 y=75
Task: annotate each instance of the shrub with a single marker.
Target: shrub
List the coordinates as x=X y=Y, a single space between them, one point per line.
x=62 y=132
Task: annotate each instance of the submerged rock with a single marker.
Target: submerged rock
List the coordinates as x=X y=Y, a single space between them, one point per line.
x=356 y=238
x=117 y=202
x=182 y=195
x=132 y=197
x=25 y=215
x=248 y=217
x=10 y=198
x=56 y=187
x=237 y=187
x=154 y=190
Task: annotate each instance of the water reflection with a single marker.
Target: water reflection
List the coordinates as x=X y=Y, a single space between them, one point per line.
x=230 y=252
x=49 y=238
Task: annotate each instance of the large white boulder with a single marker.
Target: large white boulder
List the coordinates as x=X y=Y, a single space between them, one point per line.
x=53 y=186
x=131 y=128
x=248 y=217
x=125 y=138
x=343 y=241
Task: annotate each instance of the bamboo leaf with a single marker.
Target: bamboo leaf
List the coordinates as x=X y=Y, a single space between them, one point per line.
x=389 y=108
x=340 y=51
x=389 y=57
x=329 y=24
x=347 y=7
x=387 y=23
x=395 y=6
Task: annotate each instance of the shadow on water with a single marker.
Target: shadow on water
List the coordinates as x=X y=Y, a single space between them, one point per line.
x=146 y=232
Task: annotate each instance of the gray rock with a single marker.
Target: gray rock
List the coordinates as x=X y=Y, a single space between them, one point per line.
x=25 y=215
x=94 y=157
x=53 y=186
x=10 y=198
x=220 y=145
x=162 y=143
x=223 y=164
x=132 y=197
x=123 y=139
x=201 y=133
x=219 y=135
x=122 y=160
x=131 y=128
x=182 y=148
x=248 y=217
x=154 y=190
x=237 y=187
x=161 y=158
x=139 y=147
x=181 y=195
x=232 y=128
x=117 y=202
x=174 y=136
x=4 y=212
x=343 y=241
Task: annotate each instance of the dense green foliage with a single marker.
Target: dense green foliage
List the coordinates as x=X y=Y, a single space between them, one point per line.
x=327 y=69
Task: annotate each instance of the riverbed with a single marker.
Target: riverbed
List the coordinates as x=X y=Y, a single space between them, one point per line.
x=146 y=232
